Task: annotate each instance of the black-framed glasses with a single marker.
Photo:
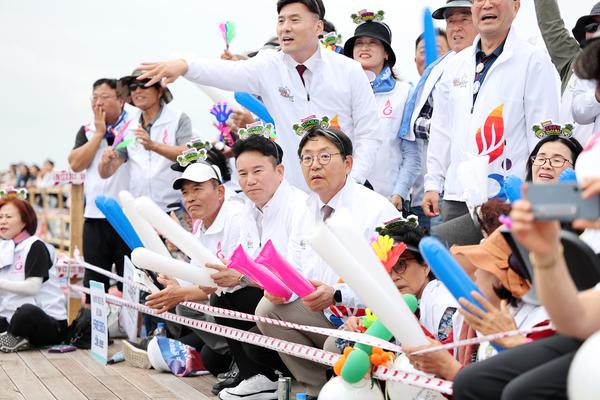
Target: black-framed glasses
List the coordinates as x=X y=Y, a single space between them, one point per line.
x=555 y=161
x=323 y=157
x=402 y=265
x=591 y=27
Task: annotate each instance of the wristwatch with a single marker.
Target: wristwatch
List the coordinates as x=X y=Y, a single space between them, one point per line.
x=337 y=296
x=244 y=281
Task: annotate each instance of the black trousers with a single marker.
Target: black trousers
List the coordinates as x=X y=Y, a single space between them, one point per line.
x=243 y=300
x=102 y=246
x=537 y=370
x=33 y=323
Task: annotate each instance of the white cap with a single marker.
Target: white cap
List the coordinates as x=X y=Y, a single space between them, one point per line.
x=198 y=172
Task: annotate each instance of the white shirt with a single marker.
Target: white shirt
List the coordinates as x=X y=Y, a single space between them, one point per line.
x=522 y=83
x=585 y=108
x=276 y=220
x=335 y=85
x=433 y=305
x=368 y=209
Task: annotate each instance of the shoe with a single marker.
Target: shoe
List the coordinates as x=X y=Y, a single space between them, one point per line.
x=258 y=387
x=136 y=355
x=11 y=344
x=233 y=380
x=224 y=375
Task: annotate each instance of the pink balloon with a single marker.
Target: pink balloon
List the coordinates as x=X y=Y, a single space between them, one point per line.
x=258 y=273
x=270 y=258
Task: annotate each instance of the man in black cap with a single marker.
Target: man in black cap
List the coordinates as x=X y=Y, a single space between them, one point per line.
x=563 y=47
x=564 y=50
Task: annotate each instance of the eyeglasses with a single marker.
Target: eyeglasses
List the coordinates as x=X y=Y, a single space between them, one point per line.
x=323 y=157
x=592 y=27
x=555 y=162
x=402 y=265
x=103 y=97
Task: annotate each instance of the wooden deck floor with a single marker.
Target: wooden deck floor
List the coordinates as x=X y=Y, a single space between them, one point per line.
x=37 y=374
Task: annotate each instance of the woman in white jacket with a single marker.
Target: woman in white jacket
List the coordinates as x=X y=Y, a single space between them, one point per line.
x=32 y=305
x=398 y=161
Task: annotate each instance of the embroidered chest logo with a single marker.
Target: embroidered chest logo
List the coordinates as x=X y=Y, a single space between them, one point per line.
x=387 y=109
x=461 y=83
x=285 y=92
x=490 y=140
x=165 y=138
x=220 y=251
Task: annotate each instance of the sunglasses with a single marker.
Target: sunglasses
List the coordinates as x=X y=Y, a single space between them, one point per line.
x=138 y=85
x=593 y=27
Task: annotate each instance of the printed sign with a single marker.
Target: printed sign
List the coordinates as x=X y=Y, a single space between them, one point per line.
x=128 y=318
x=99 y=322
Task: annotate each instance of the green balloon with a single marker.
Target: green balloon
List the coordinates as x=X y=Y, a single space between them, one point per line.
x=356 y=366
x=411 y=302
x=378 y=330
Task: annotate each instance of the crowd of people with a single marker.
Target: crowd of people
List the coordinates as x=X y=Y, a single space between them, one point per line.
x=349 y=138
x=21 y=175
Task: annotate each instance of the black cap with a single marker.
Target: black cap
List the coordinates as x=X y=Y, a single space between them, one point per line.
x=375 y=30
x=579 y=30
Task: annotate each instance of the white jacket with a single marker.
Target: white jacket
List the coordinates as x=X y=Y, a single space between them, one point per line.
x=390 y=106
x=585 y=107
x=151 y=173
x=521 y=88
x=335 y=85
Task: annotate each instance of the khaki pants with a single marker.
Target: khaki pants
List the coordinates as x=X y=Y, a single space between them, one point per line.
x=309 y=373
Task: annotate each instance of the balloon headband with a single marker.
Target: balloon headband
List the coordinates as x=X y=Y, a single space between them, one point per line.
x=331 y=41
x=314 y=124
x=256 y=128
x=363 y=16
x=387 y=251
x=548 y=128
x=389 y=228
x=12 y=193
x=197 y=150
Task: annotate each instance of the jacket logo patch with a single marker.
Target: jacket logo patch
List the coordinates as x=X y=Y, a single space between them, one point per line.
x=462 y=82
x=387 y=109
x=490 y=140
x=285 y=92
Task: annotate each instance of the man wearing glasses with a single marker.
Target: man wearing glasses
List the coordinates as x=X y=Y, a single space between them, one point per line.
x=102 y=246
x=491 y=95
x=326 y=159
x=156 y=136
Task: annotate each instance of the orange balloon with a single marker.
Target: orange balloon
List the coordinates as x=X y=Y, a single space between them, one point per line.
x=347 y=351
x=376 y=350
x=375 y=359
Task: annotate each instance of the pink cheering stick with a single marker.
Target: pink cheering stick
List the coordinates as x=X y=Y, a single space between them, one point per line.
x=121 y=134
x=241 y=262
x=270 y=258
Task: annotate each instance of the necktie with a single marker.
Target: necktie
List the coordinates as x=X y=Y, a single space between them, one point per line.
x=410 y=105
x=326 y=211
x=301 y=68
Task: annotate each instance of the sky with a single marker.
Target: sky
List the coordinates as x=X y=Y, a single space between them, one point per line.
x=52 y=52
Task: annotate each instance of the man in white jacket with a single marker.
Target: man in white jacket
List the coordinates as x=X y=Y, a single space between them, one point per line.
x=302 y=79
x=490 y=96
x=416 y=122
x=326 y=156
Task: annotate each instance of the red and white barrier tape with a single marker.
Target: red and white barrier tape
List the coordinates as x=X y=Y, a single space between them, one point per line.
x=346 y=335
x=282 y=346
x=230 y=314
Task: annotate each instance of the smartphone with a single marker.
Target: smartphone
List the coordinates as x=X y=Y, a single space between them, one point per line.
x=562 y=201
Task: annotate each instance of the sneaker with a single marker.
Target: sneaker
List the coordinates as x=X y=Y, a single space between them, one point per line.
x=224 y=375
x=11 y=344
x=232 y=381
x=258 y=387
x=136 y=355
